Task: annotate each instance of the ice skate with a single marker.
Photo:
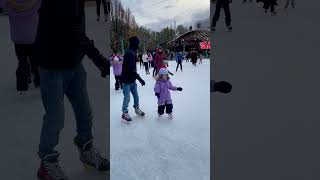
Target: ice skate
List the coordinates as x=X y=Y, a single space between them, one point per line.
x=90 y=157
x=213 y=29
x=170 y=116
x=106 y=18
x=139 y=112
x=229 y=28
x=98 y=18
x=126 y=118
x=50 y=169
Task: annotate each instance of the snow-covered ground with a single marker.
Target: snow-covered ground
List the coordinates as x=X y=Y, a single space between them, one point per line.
x=162 y=149
x=21 y=116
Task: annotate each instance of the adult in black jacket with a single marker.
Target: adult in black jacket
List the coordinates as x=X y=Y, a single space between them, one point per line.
x=225 y=5
x=128 y=77
x=60 y=46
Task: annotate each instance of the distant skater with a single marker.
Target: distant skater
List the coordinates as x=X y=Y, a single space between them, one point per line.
x=225 y=5
x=179 y=60
x=288 y=2
x=270 y=4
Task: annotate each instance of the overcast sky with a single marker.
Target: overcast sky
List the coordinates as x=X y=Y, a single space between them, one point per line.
x=158 y=14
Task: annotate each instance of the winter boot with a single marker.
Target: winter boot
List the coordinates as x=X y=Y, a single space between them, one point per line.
x=50 y=169
x=139 y=112
x=90 y=157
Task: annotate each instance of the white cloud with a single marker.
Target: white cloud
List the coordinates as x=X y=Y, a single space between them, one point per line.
x=157 y=14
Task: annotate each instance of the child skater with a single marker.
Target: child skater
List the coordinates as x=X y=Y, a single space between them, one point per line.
x=161 y=89
x=165 y=65
x=117 y=69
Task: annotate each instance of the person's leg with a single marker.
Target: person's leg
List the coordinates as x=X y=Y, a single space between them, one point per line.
x=134 y=92
x=117 y=84
x=105 y=8
x=52 y=95
x=146 y=67
x=169 y=108
x=181 y=66
x=161 y=109
x=77 y=94
x=227 y=12
x=216 y=14
x=98 y=4
x=272 y=4
x=293 y=3
x=126 y=97
x=23 y=70
x=177 y=67
x=34 y=68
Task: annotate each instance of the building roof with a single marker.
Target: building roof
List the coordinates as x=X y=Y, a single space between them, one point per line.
x=197 y=35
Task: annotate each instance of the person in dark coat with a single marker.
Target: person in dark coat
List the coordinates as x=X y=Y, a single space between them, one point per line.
x=129 y=76
x=225 y=5
x=60 y=46
x=194 y=57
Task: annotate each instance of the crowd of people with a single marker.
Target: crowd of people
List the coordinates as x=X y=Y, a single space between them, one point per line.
x=125 y=72
x=50 y=44
x=268 y=5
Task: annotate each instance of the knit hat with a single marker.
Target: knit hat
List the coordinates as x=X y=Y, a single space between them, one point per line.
x=163 y=71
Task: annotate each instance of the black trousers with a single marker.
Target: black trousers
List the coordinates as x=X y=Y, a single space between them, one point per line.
x=179 y=63
x=118 y=82
x=167 y=107
x=146 y=66
x=105 y=6
x=270 y=4
x=26 y=67
x=226 y=8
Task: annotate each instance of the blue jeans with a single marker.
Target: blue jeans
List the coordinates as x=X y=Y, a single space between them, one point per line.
x=127 y=88
x=54 y=84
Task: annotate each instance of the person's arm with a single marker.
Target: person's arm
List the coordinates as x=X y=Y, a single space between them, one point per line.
x=87 y=47
x=22 y=6
x=171 y=87
x=157 y=90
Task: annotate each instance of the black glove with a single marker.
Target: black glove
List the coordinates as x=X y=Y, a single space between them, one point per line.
x=141 y=80
x=157 y=94
x=179 y=89
x=103 y=64
x=223 y=87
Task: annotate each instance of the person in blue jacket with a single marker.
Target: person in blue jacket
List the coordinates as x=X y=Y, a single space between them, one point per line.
x=179 y=60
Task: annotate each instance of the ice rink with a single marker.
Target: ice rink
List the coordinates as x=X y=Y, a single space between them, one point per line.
x=161 y=149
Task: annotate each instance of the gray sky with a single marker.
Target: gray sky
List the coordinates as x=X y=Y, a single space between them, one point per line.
x=158 y=14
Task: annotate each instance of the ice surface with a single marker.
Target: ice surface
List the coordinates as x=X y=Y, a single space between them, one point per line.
x=162 y=149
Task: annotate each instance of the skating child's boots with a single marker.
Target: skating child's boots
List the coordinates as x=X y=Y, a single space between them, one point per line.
x=50 y=169
x=139 y=112
x=90 y=157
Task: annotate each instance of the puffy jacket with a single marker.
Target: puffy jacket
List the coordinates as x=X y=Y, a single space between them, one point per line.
x=163 y=86
x=129 y=68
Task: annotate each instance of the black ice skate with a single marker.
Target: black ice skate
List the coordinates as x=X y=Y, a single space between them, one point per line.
x=90 y=157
